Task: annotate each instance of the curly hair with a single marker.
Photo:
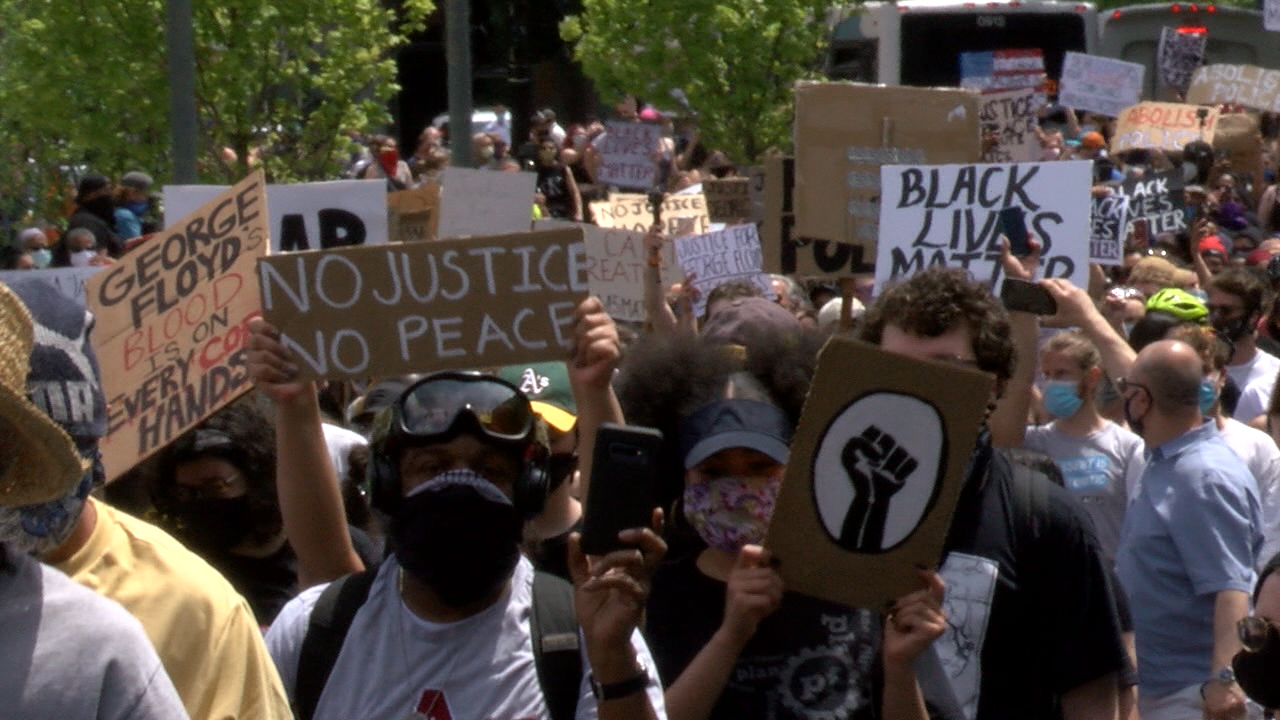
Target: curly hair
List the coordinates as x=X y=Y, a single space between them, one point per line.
x=935 y=301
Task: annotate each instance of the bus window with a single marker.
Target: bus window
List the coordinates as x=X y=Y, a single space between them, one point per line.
x=853 y=60
x=932 y=42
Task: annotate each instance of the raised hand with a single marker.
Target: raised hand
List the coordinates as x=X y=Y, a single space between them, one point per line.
x=878 y=468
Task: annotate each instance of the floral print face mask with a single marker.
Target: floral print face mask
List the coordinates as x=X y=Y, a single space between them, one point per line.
x=730 y=511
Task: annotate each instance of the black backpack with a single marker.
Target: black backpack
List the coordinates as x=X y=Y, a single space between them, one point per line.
x=554 y=628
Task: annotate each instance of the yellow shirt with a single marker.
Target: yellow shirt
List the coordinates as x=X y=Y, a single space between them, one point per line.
x=202 y=629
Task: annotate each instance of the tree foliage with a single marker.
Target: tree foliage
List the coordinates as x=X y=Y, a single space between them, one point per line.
x=84 y=84
x=737 y=60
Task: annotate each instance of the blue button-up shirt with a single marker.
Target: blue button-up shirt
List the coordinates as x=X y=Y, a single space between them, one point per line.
x=1192 y=530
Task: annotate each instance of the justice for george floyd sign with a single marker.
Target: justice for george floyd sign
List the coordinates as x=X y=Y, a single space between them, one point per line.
x=454 y=304
x=949 y=215
x=171 y=321
x=721 y=257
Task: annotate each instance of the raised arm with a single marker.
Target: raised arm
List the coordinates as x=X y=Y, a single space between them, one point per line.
x=596 y=354
x=661 y=318
x=1076 y=309
x=1008 y=421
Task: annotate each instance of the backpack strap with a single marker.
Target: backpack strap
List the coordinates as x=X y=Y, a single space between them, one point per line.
x=327 y=629
x=554 y=628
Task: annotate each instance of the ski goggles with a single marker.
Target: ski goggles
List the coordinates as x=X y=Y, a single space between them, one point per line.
x=443 y=405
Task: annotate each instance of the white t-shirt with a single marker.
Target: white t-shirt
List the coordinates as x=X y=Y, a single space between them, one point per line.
x=1261 y=369
x=393 y=663
x=1260 y=453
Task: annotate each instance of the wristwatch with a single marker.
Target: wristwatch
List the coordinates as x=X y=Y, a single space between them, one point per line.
x=623 y=688
x=1226 y=676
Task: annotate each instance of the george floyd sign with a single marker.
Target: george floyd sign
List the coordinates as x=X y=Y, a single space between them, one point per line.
x=171 y=324
x=720 y=257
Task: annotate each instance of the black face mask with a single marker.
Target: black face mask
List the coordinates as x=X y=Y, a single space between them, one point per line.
x=217 y=523
x=456 y=540
x=1258 y=673
x=1135 y=424
x=1233 y=330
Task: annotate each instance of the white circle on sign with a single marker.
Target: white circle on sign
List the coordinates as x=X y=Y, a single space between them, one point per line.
x=877 y=470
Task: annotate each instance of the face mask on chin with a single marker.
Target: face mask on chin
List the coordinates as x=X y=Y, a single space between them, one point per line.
x=36 y=530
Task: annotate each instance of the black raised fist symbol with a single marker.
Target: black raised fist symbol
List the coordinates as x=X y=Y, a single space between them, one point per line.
x=878 y=467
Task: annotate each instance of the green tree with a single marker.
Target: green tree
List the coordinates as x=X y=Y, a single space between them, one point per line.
x=83 y=84
x=737 y=60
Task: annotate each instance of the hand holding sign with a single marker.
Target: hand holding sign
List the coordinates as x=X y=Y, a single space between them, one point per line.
x=271 y=366
x=916 y=620
x=753 y=593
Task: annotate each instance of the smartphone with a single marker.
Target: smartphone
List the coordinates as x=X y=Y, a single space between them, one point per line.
x=1014 y=226
x=624 y=473
x=1141 y=233
x=1026 y=296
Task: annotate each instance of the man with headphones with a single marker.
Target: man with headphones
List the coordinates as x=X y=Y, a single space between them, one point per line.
x=447 y=629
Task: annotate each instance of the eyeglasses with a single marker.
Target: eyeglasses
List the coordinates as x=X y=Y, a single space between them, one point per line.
x=1223 y=310
x=445 y=404
x=1124 y=385
x=1254 y=632
x=209 y=488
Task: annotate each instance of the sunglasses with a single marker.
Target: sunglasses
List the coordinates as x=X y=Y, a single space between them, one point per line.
x=442 y=405
x=1254 y=632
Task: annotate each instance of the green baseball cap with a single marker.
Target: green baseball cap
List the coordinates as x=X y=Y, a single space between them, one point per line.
x=547 y=387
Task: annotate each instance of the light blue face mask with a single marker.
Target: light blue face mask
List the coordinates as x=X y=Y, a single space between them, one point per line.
x=1208 y=395
x=1061 y=398
x=1200 y=295
x=41 y=258
x=137 y=208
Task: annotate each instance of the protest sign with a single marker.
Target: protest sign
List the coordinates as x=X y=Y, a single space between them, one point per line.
x=949 y=215
x=413 y=215
x=1009 y=126
x=728 y=199
x=304 y=216
x=451 y=304
x=1157 y=198
x=1271 y=15
x=68 y=281
x=1178 y=56
x=627 y=152
x=681 y=214
x=996 y=70
x=1108 y=223
x=844 y=133
x=876 y=469
x=720 y=257
x=1164 y=126
x=485 y=202
x=171 y=322
x=1239 y=137
x=1099 y=84
x=1248 y=85
x=616 y=262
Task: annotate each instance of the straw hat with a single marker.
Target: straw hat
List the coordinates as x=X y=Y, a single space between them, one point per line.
x=38 y=461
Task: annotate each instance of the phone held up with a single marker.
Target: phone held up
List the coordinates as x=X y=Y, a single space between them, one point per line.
x=624 y=474
x=1029 y=297
x=1013 y=225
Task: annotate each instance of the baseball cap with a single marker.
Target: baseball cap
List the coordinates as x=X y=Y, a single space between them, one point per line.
x=1092 y=141
x=137 y=180
x=91 y=183
x=1213 y=244
x=746 y=318
x=548 y=389
x=735 y=423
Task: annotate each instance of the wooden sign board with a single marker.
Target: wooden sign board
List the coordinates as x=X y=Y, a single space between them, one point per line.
x=171 y=324
x=413 y=215
x=728 y=200
x=1248 y=85
x=452 y=304
x=1163 y=126
x=846 y=131
x=875 y=472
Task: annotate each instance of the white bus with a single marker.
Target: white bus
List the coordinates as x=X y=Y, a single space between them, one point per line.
x=919 y=42
x=1235 y=36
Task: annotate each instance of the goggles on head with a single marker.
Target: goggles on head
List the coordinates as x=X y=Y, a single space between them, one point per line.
x=443 y=405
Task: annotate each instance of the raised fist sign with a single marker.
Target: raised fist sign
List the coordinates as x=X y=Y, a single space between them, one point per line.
x=878 y=468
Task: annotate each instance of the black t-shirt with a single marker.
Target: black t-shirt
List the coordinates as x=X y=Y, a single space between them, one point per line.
x=1025 y=624
x=553 y=186
x=809 y=659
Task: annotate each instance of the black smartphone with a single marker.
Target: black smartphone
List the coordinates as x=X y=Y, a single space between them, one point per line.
x=1014 y=226
x=1028 y=297
x=624 y=473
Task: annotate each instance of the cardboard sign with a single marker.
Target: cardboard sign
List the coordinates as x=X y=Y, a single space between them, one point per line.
x=1271 y=15
x=844 y=133
x=728 y=200
x=171 y=324
x=949 y=215
x=616 y=262
x=1009 y=126
x=1108 y=223
x=720 y=257
x=68 y=281
x=1178 y=56
x=1248 y=85
x=485 y=202
x=1239 y=137
x=414 y=215
x=681 y=214
x=876 y=469
x=304 y=216
x=1159 y=199
x=627 y=152
x=1164 y=126
x=1099 y=84
x=479 y=302
x=997 y=70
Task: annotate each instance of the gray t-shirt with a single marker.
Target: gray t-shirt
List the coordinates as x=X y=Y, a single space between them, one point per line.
x=71 y=653
x=1098 y=471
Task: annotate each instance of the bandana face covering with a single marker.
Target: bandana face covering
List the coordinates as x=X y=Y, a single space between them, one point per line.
x=729 y=512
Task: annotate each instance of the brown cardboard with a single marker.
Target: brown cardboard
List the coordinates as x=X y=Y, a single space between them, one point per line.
x=413 y=215
x=728 y=200
x=1239 y=135
x=681 y=214
x=477 y=302
x=846 y=131
x=777 y=218
x=1248 y=85
x=171 y=319
x=1166 y=126
x=918 y=422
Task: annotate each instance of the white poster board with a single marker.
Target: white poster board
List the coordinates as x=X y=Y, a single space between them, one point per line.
x=949 y=215
x=1271 y=15
x=1009 y=126
x=628 y=149
x=485 y=202
x=303 y=216
x=1099 y=84
x=720 y=257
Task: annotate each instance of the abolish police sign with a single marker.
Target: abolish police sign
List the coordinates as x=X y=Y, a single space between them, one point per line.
x=949 y=215
x=171 y=324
